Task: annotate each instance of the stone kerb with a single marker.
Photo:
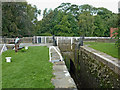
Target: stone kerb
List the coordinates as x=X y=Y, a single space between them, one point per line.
x=112 y=63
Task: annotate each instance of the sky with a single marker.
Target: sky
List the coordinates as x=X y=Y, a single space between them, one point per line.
x=111 y=5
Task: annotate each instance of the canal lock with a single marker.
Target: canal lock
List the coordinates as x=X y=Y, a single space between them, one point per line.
x=87 y=72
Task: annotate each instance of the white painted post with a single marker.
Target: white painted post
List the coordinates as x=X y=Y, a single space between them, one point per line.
x=45 y=40
x=42 y=39
x=37 y=39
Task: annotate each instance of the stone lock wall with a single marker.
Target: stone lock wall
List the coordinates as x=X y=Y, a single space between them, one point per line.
x=95 y=73
x=88 y=70
x=99 y=74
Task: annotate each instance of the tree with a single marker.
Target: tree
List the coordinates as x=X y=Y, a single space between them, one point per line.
x=86 y=24
x=99 y=27
x=18 y=19
x=67 y=20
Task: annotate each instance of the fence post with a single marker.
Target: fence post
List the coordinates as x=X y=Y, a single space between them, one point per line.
x=57 y=41
x=45 y=39
x=37 y=39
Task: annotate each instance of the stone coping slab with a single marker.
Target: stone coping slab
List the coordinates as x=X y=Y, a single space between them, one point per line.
x=62 y=77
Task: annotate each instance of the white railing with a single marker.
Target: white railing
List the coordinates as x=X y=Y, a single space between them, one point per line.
x=47 y=39
x=61 y=58
x=4 y=48
x=44 y=38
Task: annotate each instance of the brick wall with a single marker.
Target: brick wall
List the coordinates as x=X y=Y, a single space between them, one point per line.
x=111 y=31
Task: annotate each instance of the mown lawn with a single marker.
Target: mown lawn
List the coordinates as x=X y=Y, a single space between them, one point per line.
x=108 y=48
x=30 y=69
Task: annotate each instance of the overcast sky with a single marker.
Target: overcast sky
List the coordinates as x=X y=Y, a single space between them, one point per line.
x=111 y=5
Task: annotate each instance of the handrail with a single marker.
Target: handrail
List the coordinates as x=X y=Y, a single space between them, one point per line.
x=61 y=58
x=4 y=48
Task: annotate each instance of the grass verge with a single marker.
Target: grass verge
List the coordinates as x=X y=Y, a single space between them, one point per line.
x=29 y=69
x=108 y=48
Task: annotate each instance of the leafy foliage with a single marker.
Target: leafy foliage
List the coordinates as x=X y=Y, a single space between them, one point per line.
x=65 y=20
x=73 y=20
x=18 y=19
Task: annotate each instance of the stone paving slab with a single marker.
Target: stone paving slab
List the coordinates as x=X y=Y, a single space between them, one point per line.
x=62 y=76
x=54 y=55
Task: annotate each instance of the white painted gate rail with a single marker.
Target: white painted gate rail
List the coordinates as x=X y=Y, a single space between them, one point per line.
x=61 y=58
x=4 y=48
